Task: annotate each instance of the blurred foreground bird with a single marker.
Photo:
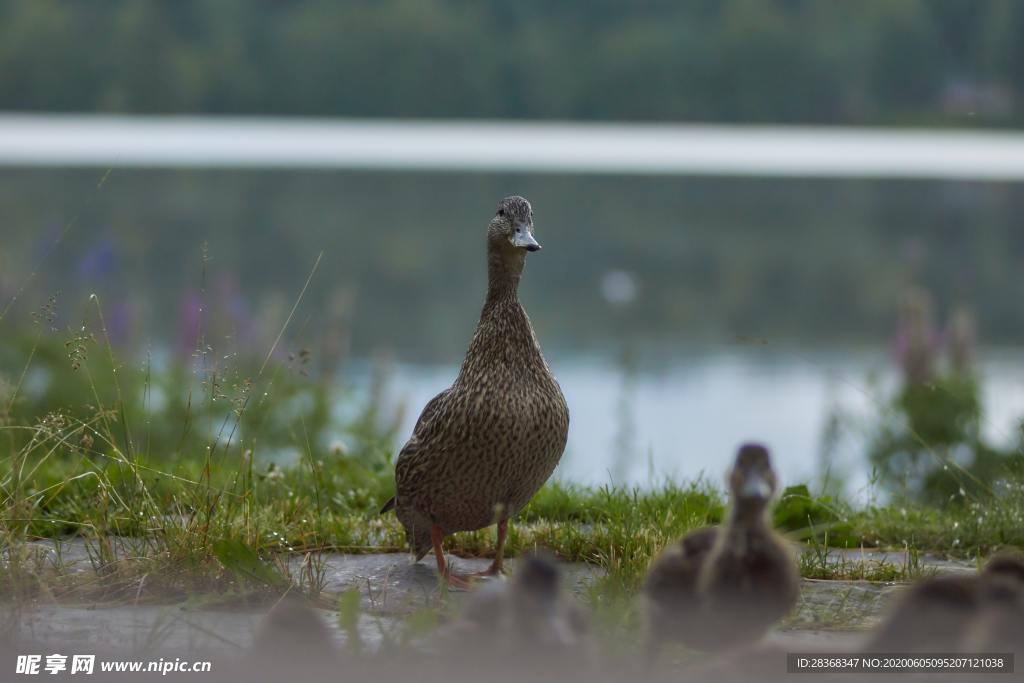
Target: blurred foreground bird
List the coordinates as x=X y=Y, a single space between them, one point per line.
x=526 y=619
x=483 y=447
x=291 y=638
x=978 y=613
x=725 y=586
x=999 y=624
x=292 y=629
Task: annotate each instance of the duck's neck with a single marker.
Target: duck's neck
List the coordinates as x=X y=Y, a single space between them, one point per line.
x=504 y=268
x=744 y=518
x=504 y=337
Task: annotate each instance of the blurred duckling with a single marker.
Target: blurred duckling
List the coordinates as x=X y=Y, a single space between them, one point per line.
x=726 y=586
x=999 y=626
x=527 y=618
x=293 y=629
x=984 y=612
x=931 y=617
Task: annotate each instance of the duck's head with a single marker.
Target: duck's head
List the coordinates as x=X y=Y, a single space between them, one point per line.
x=512 y=226
x=752 y=480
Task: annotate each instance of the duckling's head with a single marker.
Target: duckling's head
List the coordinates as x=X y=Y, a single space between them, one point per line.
x=291 y=628
x=1002 y=580
x=1007 y=567
x=512 y=226
x=999 y=624
x=752 y=480
x=538 y=579
x=539 y=615
x=533 y=590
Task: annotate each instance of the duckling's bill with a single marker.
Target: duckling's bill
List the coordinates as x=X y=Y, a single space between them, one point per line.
x=756 y=487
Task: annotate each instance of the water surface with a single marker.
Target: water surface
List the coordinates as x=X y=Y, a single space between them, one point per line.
x=684 y=419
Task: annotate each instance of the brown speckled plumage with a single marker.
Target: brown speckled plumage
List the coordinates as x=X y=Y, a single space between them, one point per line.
x=726 y=586
x=483 y=447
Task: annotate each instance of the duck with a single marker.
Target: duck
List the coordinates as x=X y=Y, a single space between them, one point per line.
x=531 y=612
x=958 y=613
x=932 y=616
x=725 y=586
x=482 y=448
x=293 y=626
x=999 y=625
x=526 y=625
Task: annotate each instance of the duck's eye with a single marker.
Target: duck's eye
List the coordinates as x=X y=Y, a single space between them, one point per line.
x=501 y=212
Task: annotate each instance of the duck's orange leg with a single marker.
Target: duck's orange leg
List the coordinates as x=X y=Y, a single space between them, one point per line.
x=497 y=568
x=454 y=580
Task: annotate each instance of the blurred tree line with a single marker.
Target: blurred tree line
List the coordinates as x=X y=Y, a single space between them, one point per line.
x=787 y=61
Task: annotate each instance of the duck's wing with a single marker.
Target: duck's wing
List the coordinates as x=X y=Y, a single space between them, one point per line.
x=424 y=429
x=674 y=572
x=427 y=416
x=420 y=433
x=697 y=544
x=671 y=590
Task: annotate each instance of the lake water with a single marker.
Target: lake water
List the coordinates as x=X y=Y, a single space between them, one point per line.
x=686 y=419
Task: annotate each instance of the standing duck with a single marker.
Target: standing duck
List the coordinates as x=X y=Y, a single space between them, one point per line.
x=726 y=586
x=483 y=447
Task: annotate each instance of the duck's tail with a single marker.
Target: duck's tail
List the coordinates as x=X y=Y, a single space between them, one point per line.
x=388 y=506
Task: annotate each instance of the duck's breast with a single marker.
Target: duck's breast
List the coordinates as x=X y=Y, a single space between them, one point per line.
x=489 y=462
x=757 y=577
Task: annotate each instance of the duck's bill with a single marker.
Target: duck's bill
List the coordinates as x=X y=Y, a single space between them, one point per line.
x=524 y=240
x=756 y=486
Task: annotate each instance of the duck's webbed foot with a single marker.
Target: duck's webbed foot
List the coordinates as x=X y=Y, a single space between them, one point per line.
x=489 y=573
x=458 y=581
x=497 y=567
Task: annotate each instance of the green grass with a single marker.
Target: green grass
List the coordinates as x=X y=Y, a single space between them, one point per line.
x=237 y=467
x=168 y=526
